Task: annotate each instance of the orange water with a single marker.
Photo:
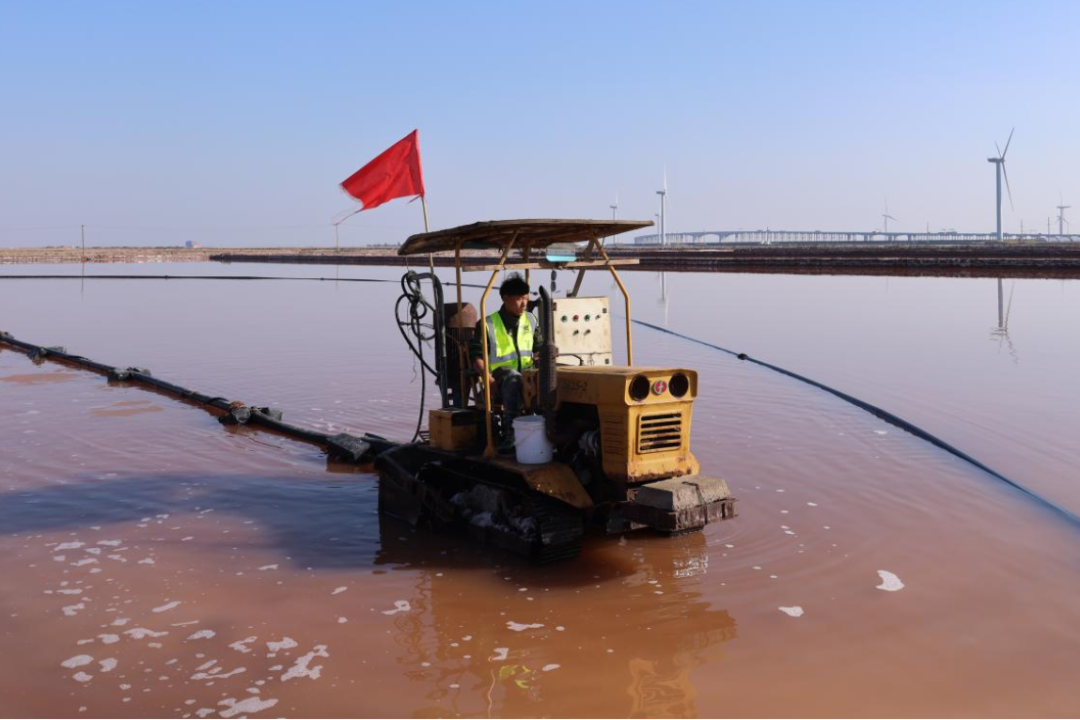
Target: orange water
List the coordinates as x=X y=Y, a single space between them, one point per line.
x=157 y=563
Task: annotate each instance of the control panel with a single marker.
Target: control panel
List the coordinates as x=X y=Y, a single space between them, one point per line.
x=583 y=330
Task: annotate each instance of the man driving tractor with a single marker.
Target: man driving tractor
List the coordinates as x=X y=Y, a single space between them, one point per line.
x=512 y=332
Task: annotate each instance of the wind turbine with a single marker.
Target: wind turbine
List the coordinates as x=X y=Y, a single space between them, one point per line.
x=999 y=164
x=887 y=217
x=614 y=211
x=663 y=198
x=1061 y=214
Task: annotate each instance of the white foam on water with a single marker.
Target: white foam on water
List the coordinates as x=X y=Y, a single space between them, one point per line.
x=269 y=567
x=206 y=665
x=110 y=543
x=302 y=666
x=166 y=606
x=147 y=561
x=84 y=642
x=881 y=432
x=69 y=591
x=77 y=661
x=551 y=666
x=82 y=677
x=108 y=664
x=248 y=705
x=184 y=624
x=120 y=621
x=500 y=654
x=108 y=639
x=201 y=635
x=399 y=606
x=521 y=627
x=242 y=645
x=84 y=561
x=140 y=633
x=68 y=546
x=93 y=550
x=70 y=610
x=59 y=558
x=285 y=644
x=338 y=591
x=889 y=581
x=793 y=611
x=342 y=620
x=118 y=558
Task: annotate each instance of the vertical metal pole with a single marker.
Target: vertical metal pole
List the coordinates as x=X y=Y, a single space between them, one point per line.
x=463 y=356
x=337 y=241
x=626 y=298
x=82 y=234
x=489 y=450
x=431 y=256
x=998 y=166
x=663 y=226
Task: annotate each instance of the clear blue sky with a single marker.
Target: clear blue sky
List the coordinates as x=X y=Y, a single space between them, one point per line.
x=233 y=123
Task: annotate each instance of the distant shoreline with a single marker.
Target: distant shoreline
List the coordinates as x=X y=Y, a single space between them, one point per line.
x=1010 y=259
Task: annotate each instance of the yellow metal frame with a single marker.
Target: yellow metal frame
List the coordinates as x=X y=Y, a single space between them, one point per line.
x=489 y=449
x=626 y=296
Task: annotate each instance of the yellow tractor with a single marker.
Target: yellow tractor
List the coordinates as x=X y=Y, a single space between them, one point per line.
x=618 y=435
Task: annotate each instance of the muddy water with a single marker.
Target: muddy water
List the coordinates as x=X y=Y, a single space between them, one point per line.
x=157 y=563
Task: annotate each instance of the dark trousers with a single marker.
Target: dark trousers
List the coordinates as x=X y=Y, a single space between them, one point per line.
x=509 y=384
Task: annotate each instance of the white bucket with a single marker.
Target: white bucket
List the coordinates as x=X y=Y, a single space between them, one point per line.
x=530 y=440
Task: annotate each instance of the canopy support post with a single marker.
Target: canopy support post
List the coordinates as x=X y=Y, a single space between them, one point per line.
x=489 y=449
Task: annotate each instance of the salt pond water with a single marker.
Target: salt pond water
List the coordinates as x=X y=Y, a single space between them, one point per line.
x=155 y=562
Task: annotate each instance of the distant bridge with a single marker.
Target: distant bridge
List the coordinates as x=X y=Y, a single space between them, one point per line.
x=767 y=237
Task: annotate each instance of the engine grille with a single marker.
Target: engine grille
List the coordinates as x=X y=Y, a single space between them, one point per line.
x=659 y=432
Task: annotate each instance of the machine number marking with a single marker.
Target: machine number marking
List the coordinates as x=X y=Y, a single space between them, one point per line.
x=574 y=386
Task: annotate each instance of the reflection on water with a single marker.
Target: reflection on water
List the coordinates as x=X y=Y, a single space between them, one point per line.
x=1001 y=332
x=649 y=675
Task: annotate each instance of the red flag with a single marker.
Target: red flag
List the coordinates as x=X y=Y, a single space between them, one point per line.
x=396 y=173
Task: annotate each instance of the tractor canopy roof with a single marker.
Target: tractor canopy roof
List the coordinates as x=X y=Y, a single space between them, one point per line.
x=531 y=234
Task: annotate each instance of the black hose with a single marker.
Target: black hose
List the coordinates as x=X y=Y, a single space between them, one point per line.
x=413 y=327
x=341 y=445
x=885 y=415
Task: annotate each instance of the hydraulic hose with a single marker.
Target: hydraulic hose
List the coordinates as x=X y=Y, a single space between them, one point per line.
x=411 y=311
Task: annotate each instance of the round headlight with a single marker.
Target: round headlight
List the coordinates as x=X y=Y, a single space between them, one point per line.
x=639 y=388
x=679 y=385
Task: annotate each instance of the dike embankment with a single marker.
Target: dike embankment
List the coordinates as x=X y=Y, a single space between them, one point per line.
x=1010 y=259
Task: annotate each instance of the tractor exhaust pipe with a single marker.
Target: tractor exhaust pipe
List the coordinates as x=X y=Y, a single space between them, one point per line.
x=548 y=389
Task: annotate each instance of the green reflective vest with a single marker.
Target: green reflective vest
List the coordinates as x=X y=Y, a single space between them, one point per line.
x=501 y=351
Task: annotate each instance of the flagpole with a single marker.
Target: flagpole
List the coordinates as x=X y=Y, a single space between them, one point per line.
x=427 y=229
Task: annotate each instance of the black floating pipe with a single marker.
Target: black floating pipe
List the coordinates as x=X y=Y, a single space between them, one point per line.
x=341 y=446
x=888 y=417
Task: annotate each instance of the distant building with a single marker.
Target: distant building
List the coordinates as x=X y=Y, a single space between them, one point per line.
x=191 y=245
